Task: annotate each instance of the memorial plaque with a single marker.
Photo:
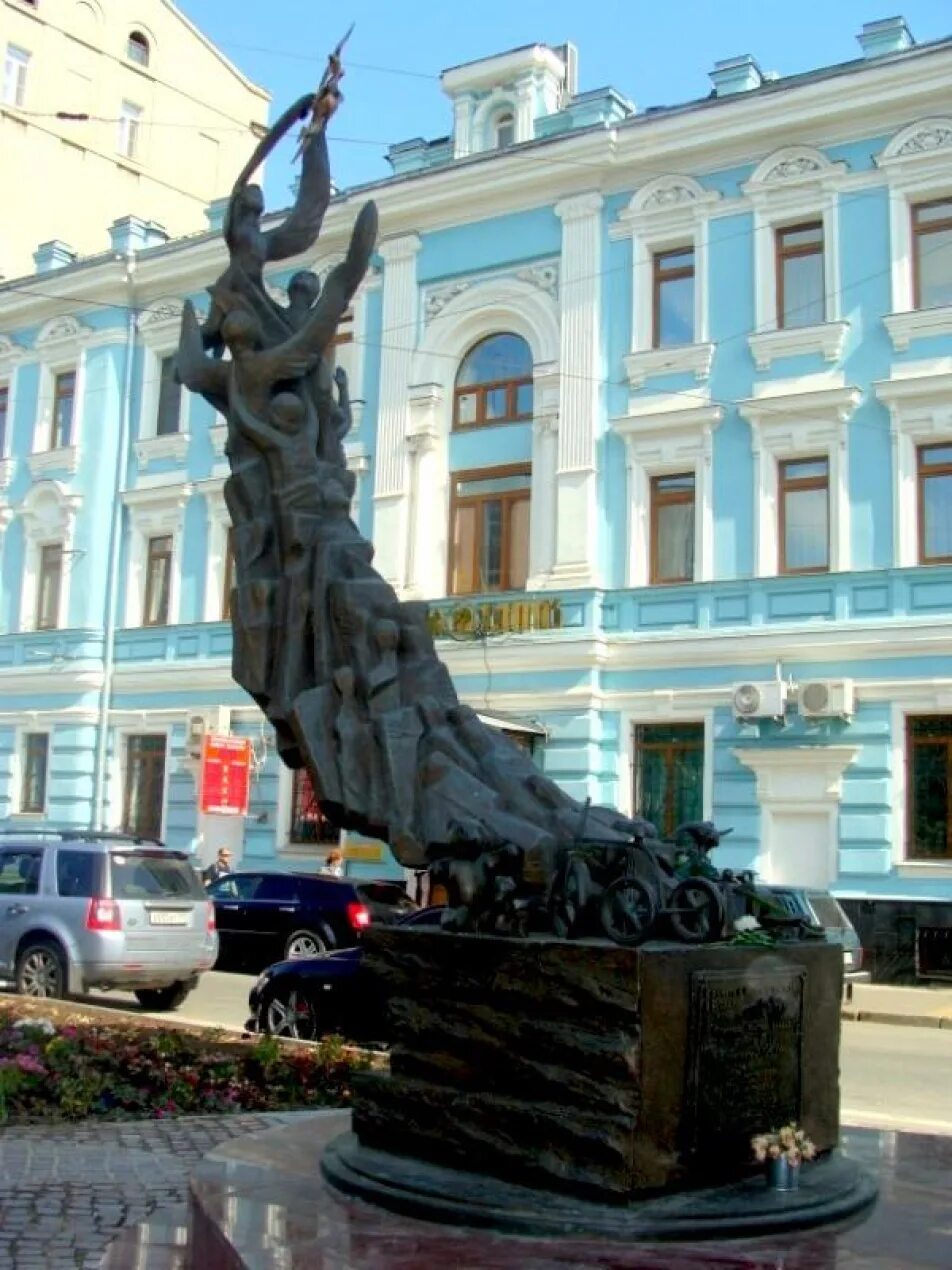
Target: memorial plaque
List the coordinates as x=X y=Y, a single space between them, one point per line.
x=745 y=1054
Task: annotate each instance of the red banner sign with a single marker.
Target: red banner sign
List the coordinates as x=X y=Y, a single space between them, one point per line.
x=225 y=778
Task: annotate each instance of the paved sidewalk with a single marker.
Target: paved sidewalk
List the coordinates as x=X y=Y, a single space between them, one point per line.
x=67 y=1190
x=914 y=1007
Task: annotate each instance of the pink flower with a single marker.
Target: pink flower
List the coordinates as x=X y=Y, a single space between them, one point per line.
x=28 y=1063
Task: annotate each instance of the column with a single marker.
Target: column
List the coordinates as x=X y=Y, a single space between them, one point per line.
x=580 y=392
x=398 y=338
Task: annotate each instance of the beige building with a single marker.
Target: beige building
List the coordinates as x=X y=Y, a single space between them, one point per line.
x=166 y=122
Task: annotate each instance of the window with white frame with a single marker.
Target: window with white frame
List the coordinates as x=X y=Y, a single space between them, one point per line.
x=504 y=127
x=63 y=409
x=797 y=308
x=156 y=519
x=918 y=167
x=57 y=433
x=669 y=496
x=137 y=48
x=667 y=223
x=128 y=139
x=49 y=586
x=163 y=405
x=34 y=767
x=219 y=555
x=920 y=411
x=15 y=68
x=800 y=472
x=143 y=785
x=48 y=515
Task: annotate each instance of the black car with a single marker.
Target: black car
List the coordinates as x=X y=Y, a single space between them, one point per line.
x=312 y=996
x=267 y=917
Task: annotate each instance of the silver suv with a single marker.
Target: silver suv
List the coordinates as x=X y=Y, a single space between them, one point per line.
x=82 y=910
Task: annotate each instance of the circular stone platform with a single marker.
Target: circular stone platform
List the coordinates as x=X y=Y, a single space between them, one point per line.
x=831 y=1190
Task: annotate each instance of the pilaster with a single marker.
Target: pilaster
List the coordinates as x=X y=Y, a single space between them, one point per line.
x=579 y=395
x=398 y=337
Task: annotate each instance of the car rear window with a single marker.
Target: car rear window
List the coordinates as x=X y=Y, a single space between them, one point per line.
x=138 y=875
x=387 y=901
x=78 y=873
x=828 y=912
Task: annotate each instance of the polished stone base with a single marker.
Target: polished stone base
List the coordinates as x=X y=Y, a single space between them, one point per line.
x=831 y=1190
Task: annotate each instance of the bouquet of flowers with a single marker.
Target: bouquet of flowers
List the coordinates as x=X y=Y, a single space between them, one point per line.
x=789 y=1143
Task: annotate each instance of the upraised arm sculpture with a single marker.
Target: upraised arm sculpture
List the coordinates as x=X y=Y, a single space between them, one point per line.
x=345 y=671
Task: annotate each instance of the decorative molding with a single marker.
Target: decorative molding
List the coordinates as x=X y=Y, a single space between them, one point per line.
x=10 y=354
x=159 y=324
x=800 y=774
x=396 y=250
x=678 y=359
x=543 y=274
x=826 y=338
x=792 y=166
x=173 y=445
x=44 y=463
x=917 y=324
x=61 y=330
x=579 y=206
x=666 y=207
x=358 y=460
x=777 y=415
x=917 y=145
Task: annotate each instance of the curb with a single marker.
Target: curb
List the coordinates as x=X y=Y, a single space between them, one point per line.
x=901 y=1020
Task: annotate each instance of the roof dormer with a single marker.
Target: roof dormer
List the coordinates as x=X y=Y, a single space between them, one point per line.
x=497 y=100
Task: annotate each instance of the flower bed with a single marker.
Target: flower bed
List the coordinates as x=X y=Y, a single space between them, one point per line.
x=85 y=1067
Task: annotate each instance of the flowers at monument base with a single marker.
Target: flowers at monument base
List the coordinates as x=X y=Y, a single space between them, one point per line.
x=789 y=1143
x=70 y=1071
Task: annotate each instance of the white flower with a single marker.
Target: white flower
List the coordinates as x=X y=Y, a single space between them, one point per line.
x=748 y=922
x=35 y=1025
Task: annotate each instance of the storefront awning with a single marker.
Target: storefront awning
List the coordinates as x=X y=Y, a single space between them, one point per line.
x=512 y=725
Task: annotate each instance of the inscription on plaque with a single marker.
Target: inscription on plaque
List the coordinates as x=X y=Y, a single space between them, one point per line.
x=744 y=1072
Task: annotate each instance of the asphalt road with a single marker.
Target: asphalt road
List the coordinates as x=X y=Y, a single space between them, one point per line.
x=892 y=1077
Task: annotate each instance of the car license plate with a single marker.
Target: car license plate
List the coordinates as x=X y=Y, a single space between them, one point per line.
x=167 y=917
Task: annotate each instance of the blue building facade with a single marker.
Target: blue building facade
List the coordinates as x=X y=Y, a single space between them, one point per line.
x=653 y=407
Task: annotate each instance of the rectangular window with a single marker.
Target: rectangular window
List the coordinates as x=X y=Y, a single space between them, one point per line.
x=158 y=579
x=800 y=284
x=669 y=774
x=36 y=752
x=932 y=253
x=934 y=463
x=15 y=67
x=229 y=571
x=64 y=405
x=804 y=501
x=130 y=123
x=4 y=413
x=49 y=584
x=673 y=303
x=672 y=528
x=929 y=787
x=307 y=820
x=144 y=787
x=489 y=524
x=170 y=399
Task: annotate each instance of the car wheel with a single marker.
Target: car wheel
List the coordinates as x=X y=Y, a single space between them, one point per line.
x=169 y=998
x=41 y=970
x=303 y=943
x=288 y=1012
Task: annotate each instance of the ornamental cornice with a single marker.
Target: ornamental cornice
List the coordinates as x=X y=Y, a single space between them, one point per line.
x=397 y=250
x=918 y=149
x=61 y=338
x=579 y=206
x=541 y=274
x=825 y=338
x=917 y=324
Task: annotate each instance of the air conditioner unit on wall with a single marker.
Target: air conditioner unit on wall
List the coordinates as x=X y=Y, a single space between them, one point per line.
x=825 y=699
x=194 y=732
x=765 y=700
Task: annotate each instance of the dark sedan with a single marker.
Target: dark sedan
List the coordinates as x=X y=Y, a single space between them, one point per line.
x=312 y=996
x=263 y=917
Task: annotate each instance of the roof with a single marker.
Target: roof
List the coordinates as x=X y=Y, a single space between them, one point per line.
x=216 y=51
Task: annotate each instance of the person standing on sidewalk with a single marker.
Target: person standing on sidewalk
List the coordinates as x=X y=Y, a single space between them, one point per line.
x=219 y=867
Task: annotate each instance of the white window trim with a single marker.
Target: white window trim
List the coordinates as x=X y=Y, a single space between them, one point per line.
x=118 y=765
x=663 y=438
x=667 y=213
x=18 y=770
x=917 y=165
x=803 y=423
x=158 y=328
x=9 y=358
x=664 y=707
x=49 y=517
x=218 y=521
x=153 y=513
x=920 y=413
x=791 y=185
x=128 y=141
x=61 y=347
x=17 y=55
x=927 y=702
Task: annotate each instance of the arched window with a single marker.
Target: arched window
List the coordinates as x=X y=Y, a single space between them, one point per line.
x=505 y=127
x=137 y=48
x=494 y=383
